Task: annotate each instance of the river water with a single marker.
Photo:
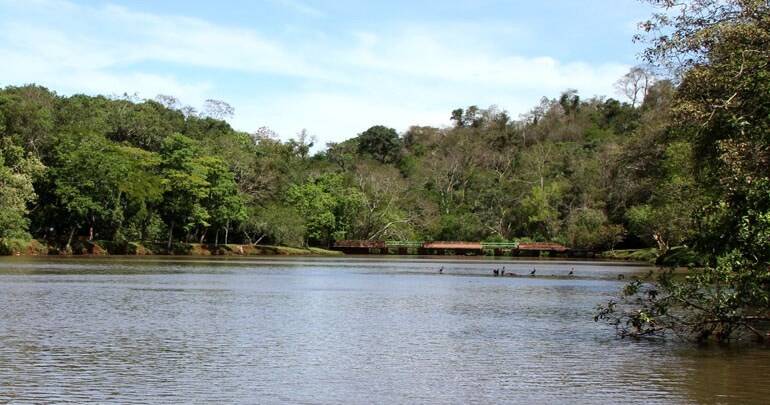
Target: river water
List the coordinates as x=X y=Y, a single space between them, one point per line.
x=342 y=330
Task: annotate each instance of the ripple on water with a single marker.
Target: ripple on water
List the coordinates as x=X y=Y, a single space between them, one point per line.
x=338 y=332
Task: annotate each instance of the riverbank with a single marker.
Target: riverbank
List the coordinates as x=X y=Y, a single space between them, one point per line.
x=676 y=257
x=679 y=256
x=18 y=247
x=632 y=255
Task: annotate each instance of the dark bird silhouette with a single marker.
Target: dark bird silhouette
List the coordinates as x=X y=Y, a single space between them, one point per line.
x=532 y=273
x=441 y=270
x=621 y=277
x=496 y=272
x=571 y=271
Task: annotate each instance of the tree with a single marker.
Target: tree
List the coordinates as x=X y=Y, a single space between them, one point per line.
x=328 y=206
x=720 y=51
x=186 y=186
x=277 y=224
x=541 y=210
x=144 y=125
x=93 y=183
x=170 y=102
x=589 y=228
x=217 y=109
x=18 y=171
x=475 y=117
x=667 y=218
x=28 y=115
x=635 y=84
x=569 y=101
x=457 y=117
x=382 y=215
x=381 y=143
x=223 y=202
x=302 y=143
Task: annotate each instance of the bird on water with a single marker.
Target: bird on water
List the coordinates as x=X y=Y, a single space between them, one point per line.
x=532 y=273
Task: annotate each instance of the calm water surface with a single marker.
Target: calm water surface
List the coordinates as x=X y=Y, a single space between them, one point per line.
x=339 y=331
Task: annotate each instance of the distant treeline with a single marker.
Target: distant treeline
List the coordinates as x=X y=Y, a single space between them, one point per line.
x=589 y=173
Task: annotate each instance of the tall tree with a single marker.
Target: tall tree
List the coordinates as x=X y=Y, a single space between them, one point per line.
x=186 y=186
x=721 y=50
x=18 y=171
x=382 y=143
x=635 y=84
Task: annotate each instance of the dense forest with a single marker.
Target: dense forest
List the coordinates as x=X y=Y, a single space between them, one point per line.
x=590 y=173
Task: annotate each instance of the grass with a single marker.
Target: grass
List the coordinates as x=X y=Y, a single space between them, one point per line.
x=681 y=256
x=18 y=246
x=27 y=247
x=678 y=256
x=649 y=255
x=197 y=249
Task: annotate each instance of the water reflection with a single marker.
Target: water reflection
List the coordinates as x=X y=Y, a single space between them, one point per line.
x=338 y=331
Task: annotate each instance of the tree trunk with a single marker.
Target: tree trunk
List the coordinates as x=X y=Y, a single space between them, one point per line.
x=203 y=235
x=259 y=240
x=170 y=235
x=91 y=228
x=227 y=230
x=662 y=245
x=69 y=240
x=216 y=238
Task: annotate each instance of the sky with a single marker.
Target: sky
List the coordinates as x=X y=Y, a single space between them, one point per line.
x=333 y=67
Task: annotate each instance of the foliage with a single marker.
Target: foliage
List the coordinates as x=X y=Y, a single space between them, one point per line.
x=12 y=246
x=381 y=143
x=721 y=51
x=17 y=174
x=274 y=224
x=327 y=205
x=589 y=228
x=185 y=185
x=149 y=170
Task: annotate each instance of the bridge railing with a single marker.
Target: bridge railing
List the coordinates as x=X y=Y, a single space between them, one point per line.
x=359 y=244
x=543 y=246
x=499 y=245
x=404 y=243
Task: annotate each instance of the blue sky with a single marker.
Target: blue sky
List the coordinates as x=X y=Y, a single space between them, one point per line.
x=332 y=67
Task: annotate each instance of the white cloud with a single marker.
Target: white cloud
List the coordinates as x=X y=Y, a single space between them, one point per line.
x=338 y=84
x=111 y=36
x=433 y=54
x=301 y=7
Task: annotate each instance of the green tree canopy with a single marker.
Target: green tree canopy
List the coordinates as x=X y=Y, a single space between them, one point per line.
x=381 y=143
x=18 y=171
x=722 y=106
